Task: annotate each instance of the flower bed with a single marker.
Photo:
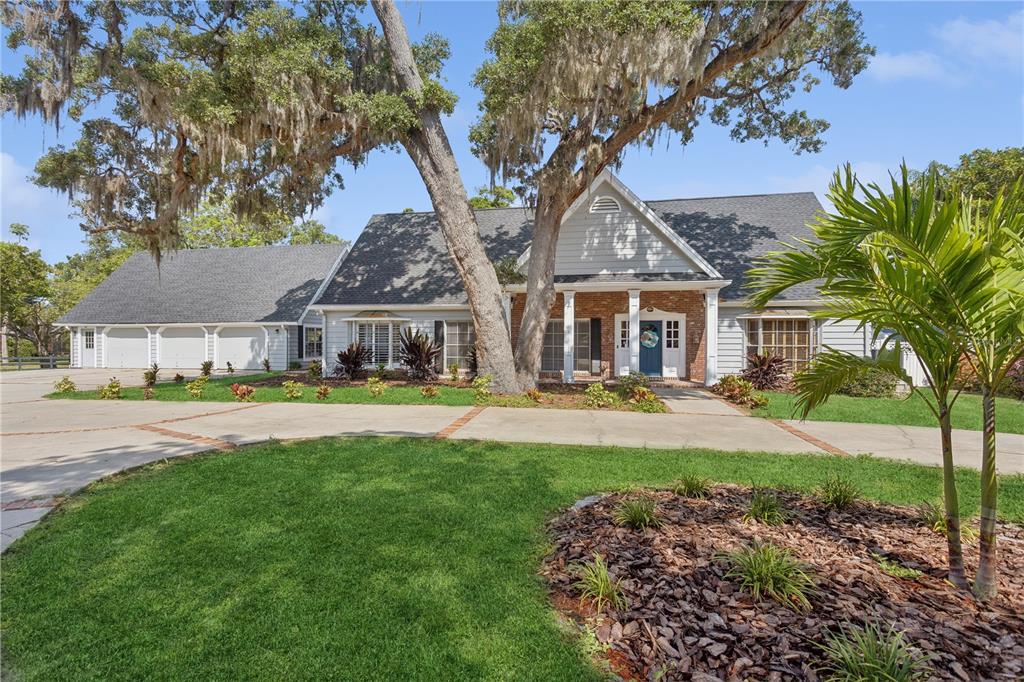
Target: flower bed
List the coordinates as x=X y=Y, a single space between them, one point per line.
x=685 y=619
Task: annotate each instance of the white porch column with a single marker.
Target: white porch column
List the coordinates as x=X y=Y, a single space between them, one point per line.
x=506 y=302
x=324 y=372
x=711 y=329
x=634 y=330
x=569 y=339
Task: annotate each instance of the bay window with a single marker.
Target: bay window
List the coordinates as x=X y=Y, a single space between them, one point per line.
x=794 y=340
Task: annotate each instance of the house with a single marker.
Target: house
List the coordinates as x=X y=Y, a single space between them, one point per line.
x=649 y=286
x=230 y=305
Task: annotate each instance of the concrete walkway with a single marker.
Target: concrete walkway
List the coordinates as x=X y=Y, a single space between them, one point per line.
x=53 y=447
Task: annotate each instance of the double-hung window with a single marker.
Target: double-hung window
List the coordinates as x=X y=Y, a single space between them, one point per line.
x=381 y=338
x=460 y=338
x=314 y=342
x=794 y=340
x=554 y=346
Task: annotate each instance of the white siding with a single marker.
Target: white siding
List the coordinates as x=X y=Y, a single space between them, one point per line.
x=730 y=341
x=75 y=361
x=98 y=343
x=845 y=336
x=211 y=339
x=607 y=243
x=278 y=351
x=153 y=345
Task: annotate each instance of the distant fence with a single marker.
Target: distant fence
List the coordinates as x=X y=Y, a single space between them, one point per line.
x=910 y=365
x=35 y=362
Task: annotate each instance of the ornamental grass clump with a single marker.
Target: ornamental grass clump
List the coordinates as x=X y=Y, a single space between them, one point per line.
x=838 y=493
x=638 y=513
x=772 y=572
x=292 y=389
x=196 y=387
x=765 y=508
x=872 y=654
x=64 y=385
x=895 y=568
x=692 y=485
x=933 y=517
x=597 y=585
x=597 y=396
x=111 y=390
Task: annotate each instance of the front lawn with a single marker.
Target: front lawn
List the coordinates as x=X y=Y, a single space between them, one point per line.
x=911 y=411
x=355 y=559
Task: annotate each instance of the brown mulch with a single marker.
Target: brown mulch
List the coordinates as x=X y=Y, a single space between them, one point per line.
x=334 y=382
x=685 y=620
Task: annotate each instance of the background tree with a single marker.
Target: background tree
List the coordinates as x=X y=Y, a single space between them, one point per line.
x=980 y=174
x=217 y=225
x=492 y=197
x=571 y=85
x=24 y=292
x=256 y=101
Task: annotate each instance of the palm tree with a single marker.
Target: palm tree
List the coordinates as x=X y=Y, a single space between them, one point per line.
x=901 y=262
x=994 y=327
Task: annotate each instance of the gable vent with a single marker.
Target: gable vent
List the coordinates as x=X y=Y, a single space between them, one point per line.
x=605 y=205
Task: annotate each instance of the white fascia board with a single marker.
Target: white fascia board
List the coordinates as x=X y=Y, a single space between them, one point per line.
x=122 y=325
x=404 y=306
x=702 y=285
x=659 y=225
x=776 y=303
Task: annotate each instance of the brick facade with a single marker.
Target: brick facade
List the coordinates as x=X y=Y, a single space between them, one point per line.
x=605 y=305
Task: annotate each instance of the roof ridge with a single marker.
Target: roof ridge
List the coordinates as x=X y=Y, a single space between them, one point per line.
x=732 y=196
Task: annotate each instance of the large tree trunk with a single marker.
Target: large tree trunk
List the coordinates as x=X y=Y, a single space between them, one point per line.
x=951 y=501
x=540 y=289
x=429 y=149
x=985 y=580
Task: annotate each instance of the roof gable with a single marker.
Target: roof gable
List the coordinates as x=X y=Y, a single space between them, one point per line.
x=245 y=284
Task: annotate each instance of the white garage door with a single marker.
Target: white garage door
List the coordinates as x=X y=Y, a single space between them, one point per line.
x=182 y=347
x=243 y=347
x=127 y=347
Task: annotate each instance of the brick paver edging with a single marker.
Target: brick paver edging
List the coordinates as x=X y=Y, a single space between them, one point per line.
x=816 y=442
x=202 y=440
x=447 y=431
x=32 y=503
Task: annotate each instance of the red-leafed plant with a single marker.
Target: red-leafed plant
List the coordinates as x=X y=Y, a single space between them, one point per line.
x=766 y=372
x=243 y=392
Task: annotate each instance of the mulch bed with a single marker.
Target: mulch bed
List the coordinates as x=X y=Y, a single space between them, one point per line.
x=685 y=620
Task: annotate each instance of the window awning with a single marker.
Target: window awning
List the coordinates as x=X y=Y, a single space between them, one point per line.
x=781 y=314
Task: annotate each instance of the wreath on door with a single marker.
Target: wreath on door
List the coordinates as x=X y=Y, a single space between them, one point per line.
x=649 y=337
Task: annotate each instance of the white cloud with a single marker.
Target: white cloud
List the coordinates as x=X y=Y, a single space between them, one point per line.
x=889 y=66
x=985 y=40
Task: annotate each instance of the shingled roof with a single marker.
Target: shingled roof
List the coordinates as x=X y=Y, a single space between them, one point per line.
x=401 y=258
x=245 y=284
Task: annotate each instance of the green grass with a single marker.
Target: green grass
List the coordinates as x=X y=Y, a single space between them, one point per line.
x=911 y=411
x=365 y=558
x=219 y=390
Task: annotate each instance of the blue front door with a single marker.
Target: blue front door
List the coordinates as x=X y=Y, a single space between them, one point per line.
x=650 y=348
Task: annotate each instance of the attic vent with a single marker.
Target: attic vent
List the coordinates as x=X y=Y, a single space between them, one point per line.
x=605 y=205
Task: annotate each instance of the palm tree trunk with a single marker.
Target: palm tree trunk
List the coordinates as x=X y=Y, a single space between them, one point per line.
x=952 y=503
x=985 y=581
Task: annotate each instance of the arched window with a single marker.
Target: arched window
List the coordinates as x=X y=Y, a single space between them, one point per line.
x=605 y=204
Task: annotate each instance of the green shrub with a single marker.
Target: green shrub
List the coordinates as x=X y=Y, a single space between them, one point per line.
x=429 y=391
x=111 y=390
x=206 y=368
x=895 y=568
x=178 y=378
x=231 y=368
x=638 y=513
x=293 y=365
x=692 y=485
x=632 y=381
x=323 y=391
x=196 y=386
x=65 y=385
x=739 y=391
x=315 y=370
x=292 y=389
x=453 y=372
x=375 y=386
x=266 y=364
x=875 y=383
x=597 y=585
x=482 y=388
x=770 y=571
x=838 y=493
x=597 y=396
x=766 y=508
x=381 y=372
x=872 y=654
x=149 y=376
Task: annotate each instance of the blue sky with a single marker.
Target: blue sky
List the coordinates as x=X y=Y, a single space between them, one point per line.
x=948 y=78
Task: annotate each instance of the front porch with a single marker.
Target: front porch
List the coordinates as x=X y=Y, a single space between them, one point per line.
x=601 y=335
